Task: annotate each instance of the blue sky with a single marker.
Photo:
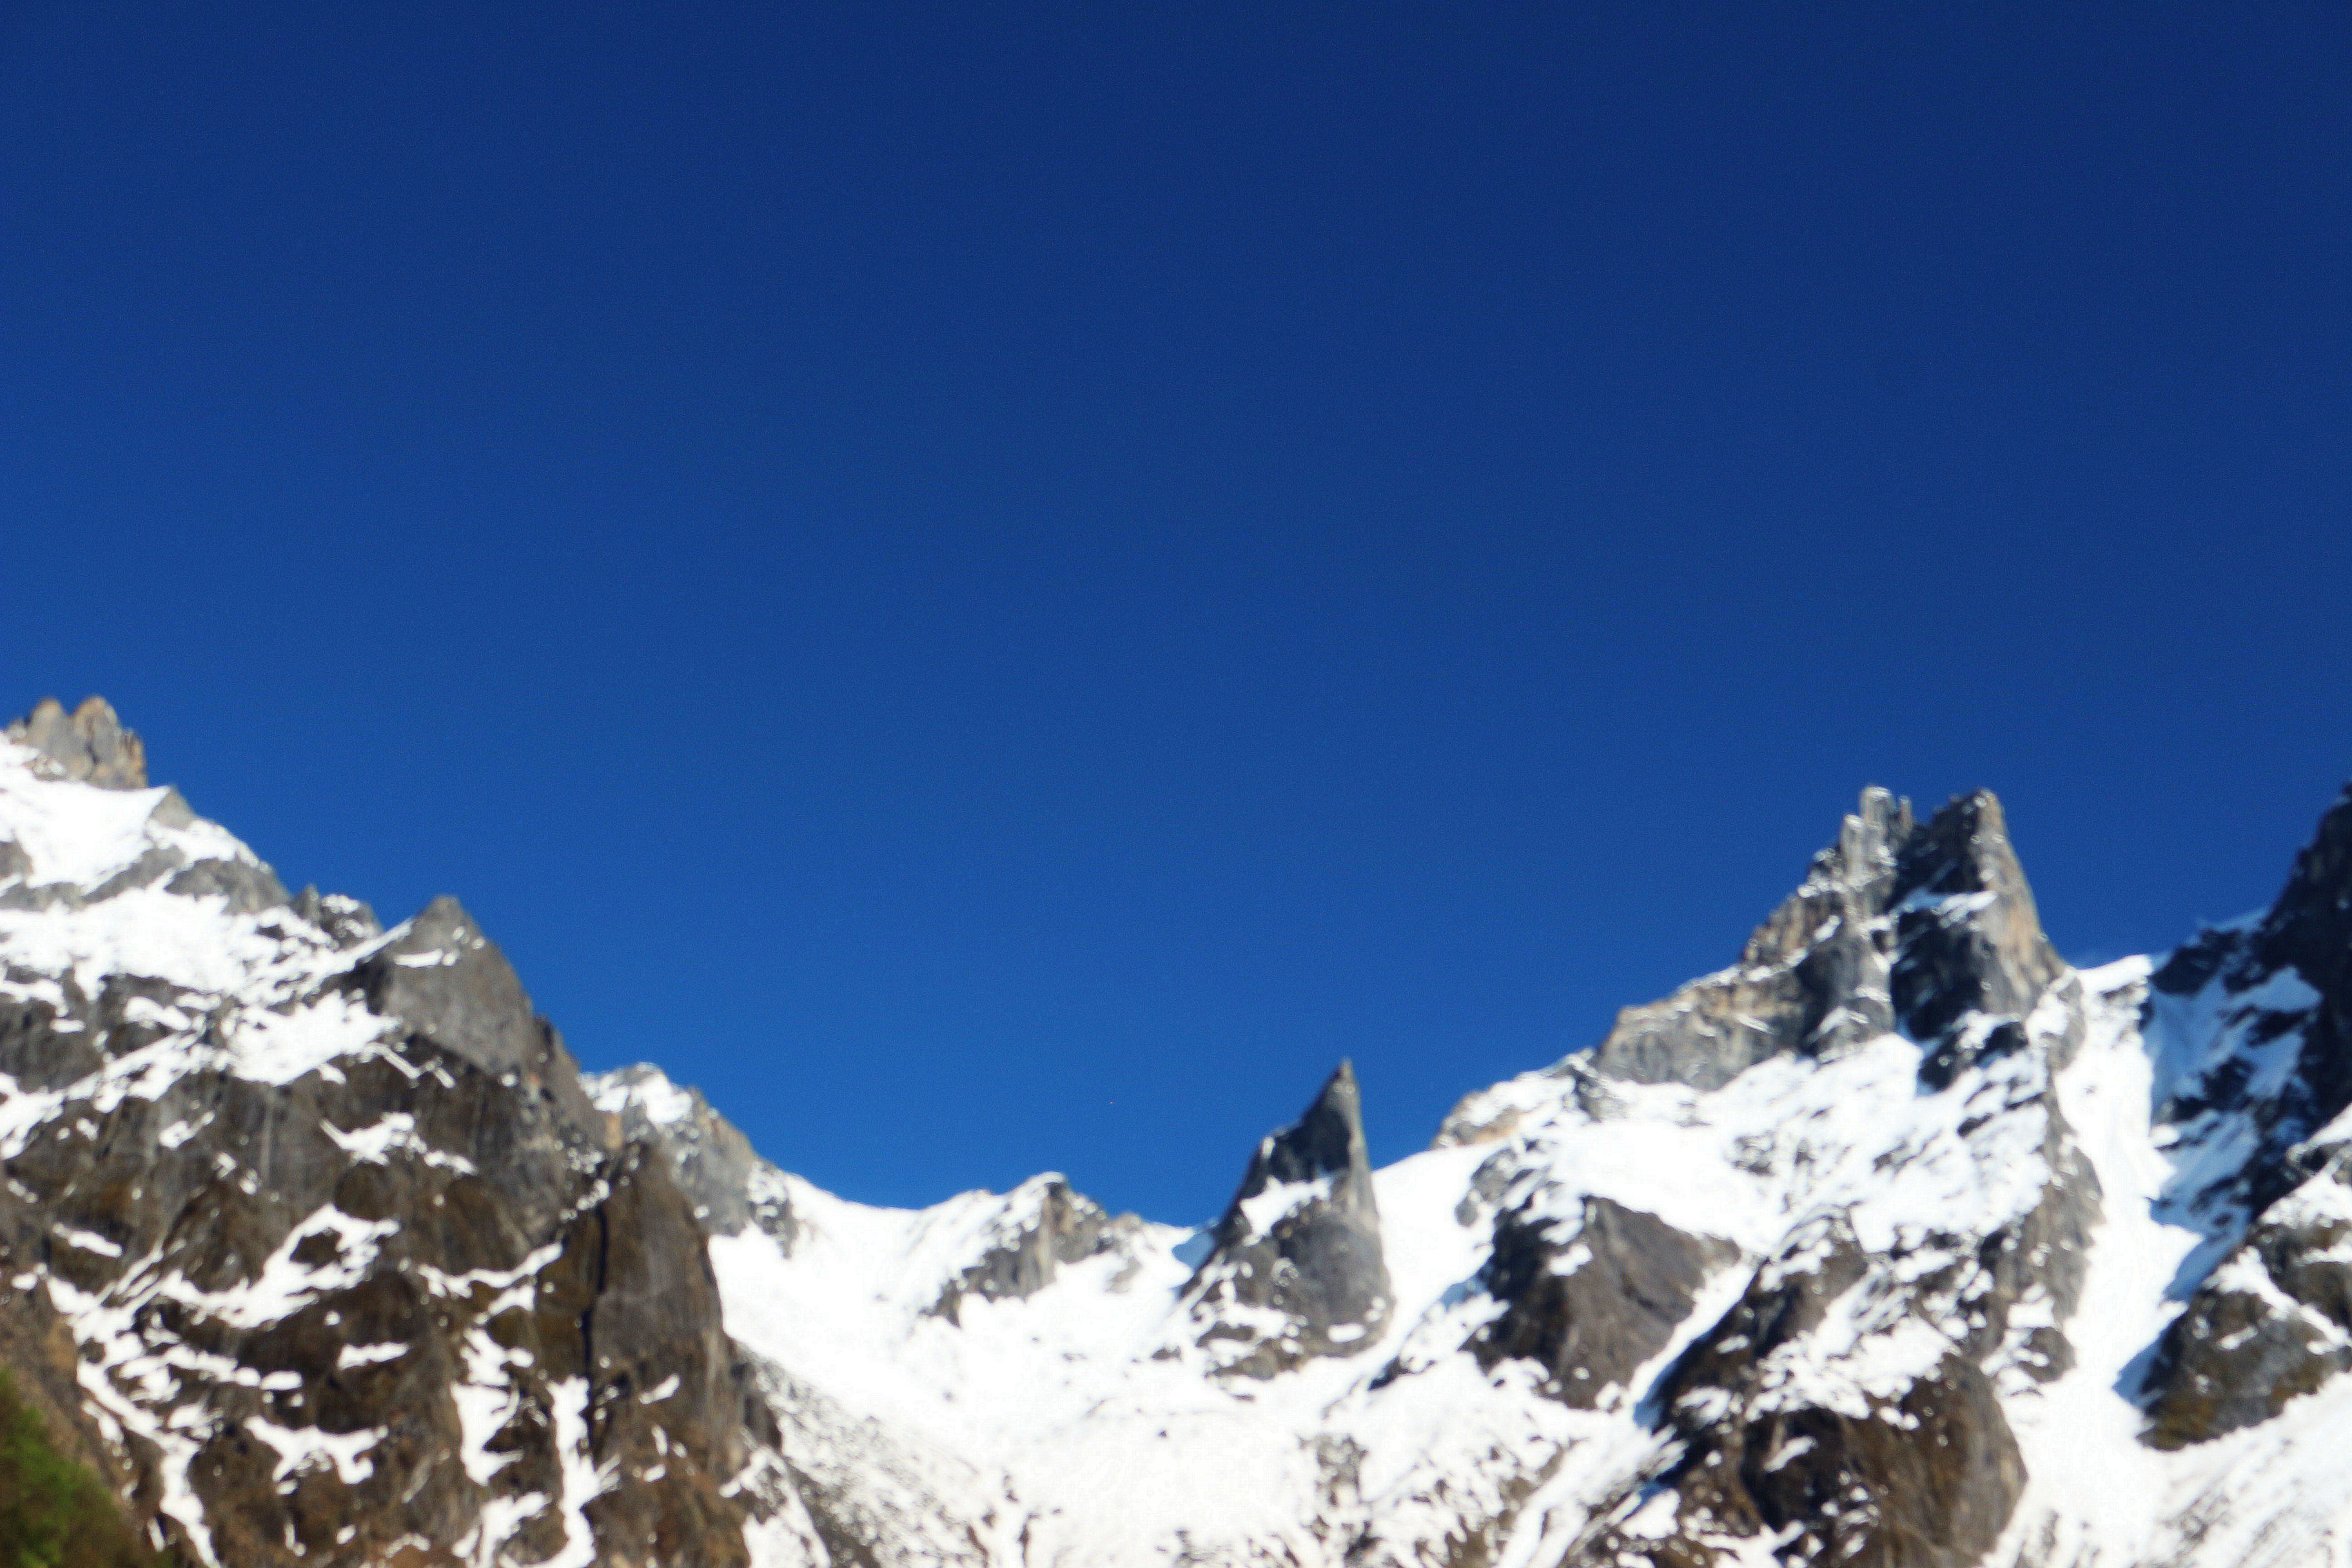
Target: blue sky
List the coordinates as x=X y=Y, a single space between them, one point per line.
x=1000 y=586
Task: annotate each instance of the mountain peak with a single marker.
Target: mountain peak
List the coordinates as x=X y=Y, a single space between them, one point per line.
x=1873 y=833
x=2310 y=927
x=726 y=1182
x=88 y=744
x=1328 y=1140
x=1302 y=1238
x=1899 y=925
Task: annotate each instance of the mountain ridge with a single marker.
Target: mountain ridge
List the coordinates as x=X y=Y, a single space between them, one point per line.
x=1899 y=1241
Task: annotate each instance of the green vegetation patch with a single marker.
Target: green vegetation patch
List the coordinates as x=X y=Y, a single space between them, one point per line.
x=53 y=1512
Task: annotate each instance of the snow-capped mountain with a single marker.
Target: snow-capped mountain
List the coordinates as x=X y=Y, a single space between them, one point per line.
x=1898 y=1242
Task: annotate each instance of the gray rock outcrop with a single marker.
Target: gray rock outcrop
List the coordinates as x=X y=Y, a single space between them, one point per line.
x=89 y=743
x=2273 y=1323
x=1300 y=1240
x=320 y=1251
x=1925 y=931
x=357 y=1274
x=594 y=1297
x=729 y=1186
x=1923 y=1474
x=2273 y=1319
x=1591 y=1300
x=1066 y=1227
x=1927 y=928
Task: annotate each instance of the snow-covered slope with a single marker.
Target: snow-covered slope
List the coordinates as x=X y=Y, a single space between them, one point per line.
x=315 y=1247
x=1898 y=1242
x=1871 y=1248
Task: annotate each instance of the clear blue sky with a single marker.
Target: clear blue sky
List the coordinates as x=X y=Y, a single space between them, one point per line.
x=1000 y=585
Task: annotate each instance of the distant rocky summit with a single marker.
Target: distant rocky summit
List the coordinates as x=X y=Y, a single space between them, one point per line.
x=1295 y=1270
x=1900 y=1243
x=89 y=744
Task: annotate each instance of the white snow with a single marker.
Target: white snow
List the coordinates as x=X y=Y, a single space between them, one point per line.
x=1275 y=1199
x=77 y=836
x=663 y=1103
x=583 y=1479
x=345 y=1452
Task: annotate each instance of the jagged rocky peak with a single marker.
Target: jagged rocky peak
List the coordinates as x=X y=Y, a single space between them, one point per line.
x=1971 y=960
x=347 y=921
x=1929 y=928
x=319 y=1252
x=729 y=1186
x=2287 y=970
x=82 y=825
x=88 y=744
x=2309 y=932
x=1046 y=1224
x=2256 y=1018
x=1848 y=1407
x=1295 y=1270
x=2298 y=950
x=346 y=1269
x=2309 y=928
x=450 y=984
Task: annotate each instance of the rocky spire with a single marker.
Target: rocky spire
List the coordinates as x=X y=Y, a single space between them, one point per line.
x=1925 y=928
x=89 y=743
x=1328 y=1140
x=2270 y=1323
x=2309 y=930
x=1301 y=1237
x=449 y=983
x=2290 y=972
x=1969 y=937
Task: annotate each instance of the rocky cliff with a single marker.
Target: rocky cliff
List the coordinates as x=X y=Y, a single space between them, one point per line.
x=352 y=1270
x=1295 y=1269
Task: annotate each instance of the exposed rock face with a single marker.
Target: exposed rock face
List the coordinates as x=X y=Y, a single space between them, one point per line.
x=421 y=1339
x=728 y=1184
x=2309 y=929
x=1857 y=1481
x=1927 y=928
x=1889 y=1446
x=346 y=921
x=1065 y=1227
x=1968 y=938
x=1590 y=1302
x=1297 y=1269
x=2274 y=1321
x=39 y=1356
x=449 y=983
x=1812 y=978
x=350 y=1271
x=2282 y=986
x=1912 y=943
x=88 y=744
